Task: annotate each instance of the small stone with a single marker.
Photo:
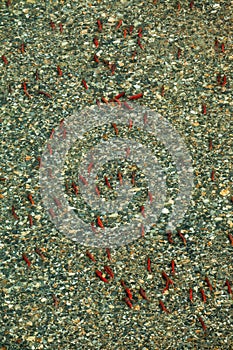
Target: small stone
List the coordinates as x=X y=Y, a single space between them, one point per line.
x=225 y=192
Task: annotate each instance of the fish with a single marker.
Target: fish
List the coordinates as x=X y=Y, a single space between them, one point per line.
x=99 y=222
x=4 y=59
x=148 y=265
x=129 y=294
x=109 y=271
x=190 y=294
x=84 y=84
x=107 y=182
x=90 y=256
x=99 y=24
x=202 y=323
x=108 y=253
x=142 y=292
x=136 y=97
x=128 y=302
x=208 y=283
x=173 y=267
x=96 y=42
x=119 y=24
x=31 y=199
x=100 y=275
x=163 y=307
x=115 y=128
x=59 y=71
x=25 y=258
x=203 y=295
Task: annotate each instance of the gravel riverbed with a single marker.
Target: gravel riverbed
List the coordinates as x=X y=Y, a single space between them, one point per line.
x=59 y=57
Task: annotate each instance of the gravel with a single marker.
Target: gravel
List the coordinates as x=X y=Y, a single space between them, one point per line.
x=55 y=299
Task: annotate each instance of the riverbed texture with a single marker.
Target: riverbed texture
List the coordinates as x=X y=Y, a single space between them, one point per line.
x=167 y=291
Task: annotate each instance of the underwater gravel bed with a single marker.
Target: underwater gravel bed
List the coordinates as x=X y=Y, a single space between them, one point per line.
x=182 y=61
